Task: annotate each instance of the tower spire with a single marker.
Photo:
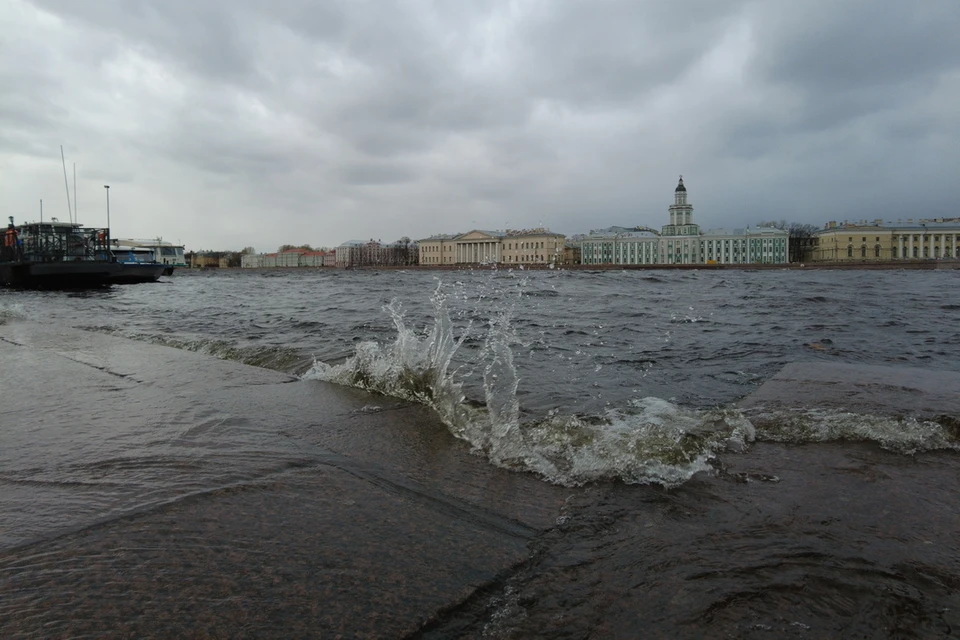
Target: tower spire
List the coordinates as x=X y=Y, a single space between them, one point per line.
x=681 y=213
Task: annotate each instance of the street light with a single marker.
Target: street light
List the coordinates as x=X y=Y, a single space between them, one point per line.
x=107 y=187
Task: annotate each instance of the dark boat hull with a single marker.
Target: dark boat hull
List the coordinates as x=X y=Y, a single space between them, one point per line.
x=137 y=273
x=58 y=275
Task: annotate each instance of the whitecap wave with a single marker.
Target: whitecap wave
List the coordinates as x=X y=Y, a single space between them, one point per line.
x=282 y=359
x=650 y=441
x=11 y=312
x=905 y=435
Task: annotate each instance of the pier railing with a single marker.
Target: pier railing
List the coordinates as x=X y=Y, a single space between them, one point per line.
x=58 y=242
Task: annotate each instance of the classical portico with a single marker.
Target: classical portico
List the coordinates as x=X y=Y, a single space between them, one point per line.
x=477 y=247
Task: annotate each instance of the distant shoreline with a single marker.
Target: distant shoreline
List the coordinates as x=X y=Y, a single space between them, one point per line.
x=885 y=265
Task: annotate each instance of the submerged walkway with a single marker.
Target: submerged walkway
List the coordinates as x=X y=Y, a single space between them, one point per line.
x=155 y=492
x=860 y=388
x=312 y=512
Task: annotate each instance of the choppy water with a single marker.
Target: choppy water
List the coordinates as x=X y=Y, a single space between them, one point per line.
x=572 y=377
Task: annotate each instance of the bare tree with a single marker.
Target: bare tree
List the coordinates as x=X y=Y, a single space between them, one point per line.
x=802 y=241
x=233 y=259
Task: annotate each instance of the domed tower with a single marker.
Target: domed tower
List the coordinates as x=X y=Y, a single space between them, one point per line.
x=680 y=193
x=681 y=214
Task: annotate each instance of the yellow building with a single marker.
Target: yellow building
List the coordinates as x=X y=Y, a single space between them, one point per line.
x=879 y=241
x=533 y=246
x=204 y=260
x=479 y=247
x=437 y=250
x=527 y=246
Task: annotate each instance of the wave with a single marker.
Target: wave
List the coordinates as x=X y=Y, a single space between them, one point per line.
x=648 y=441
x=282 y=359
x=9 y=313
x=276 y=358
x=905 y=435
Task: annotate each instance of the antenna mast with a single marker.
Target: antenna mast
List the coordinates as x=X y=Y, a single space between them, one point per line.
x=66 y=184
x=76 y=204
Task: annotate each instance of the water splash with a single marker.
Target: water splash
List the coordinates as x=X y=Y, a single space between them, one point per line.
x=9 y=313
x=650 y=441
x=412 y=368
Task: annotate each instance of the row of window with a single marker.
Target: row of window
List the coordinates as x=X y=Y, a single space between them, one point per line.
x=906 y=252
x=907 y=237
x=525 y=245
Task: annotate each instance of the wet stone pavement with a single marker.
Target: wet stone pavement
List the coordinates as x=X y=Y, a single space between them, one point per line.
x=206 y=499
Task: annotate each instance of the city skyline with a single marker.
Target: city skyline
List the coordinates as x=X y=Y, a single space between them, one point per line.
x=234 y=124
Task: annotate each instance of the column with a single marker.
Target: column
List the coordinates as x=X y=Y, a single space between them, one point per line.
x=900 y=252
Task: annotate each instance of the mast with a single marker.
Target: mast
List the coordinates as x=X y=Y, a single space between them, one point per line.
x=75 y=203
x=66 y=185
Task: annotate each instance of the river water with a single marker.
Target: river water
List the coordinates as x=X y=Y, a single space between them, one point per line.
x=623 y=385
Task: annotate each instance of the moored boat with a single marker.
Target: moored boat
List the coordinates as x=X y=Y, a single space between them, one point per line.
x=56 y=255
x=136 y=264
x=166 y=253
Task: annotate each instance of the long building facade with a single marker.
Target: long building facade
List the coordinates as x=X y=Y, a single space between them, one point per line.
x=682 y=242
x=879 y=241
x=511 y=247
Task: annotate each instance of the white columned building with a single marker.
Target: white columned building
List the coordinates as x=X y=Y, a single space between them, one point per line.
x=682 y=242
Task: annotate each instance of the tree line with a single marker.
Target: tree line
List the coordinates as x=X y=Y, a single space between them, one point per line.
x=802 y=239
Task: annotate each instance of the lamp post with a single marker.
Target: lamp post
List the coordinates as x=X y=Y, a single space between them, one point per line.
x=107 y=187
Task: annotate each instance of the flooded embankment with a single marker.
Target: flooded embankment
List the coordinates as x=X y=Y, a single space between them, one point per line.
x=155 y=492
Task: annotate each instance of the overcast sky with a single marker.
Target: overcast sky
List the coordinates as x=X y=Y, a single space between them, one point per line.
x=228 y=123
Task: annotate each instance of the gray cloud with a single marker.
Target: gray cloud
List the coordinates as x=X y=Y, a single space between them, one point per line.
x=341 y=119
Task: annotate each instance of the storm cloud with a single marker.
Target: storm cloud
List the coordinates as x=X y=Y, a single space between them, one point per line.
x=227 y=124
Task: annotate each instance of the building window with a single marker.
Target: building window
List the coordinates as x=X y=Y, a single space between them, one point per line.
x=876 y=251
x=850 y=251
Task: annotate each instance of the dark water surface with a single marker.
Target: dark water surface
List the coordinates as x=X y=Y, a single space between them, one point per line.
x=561 y=454
x=584 y=341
